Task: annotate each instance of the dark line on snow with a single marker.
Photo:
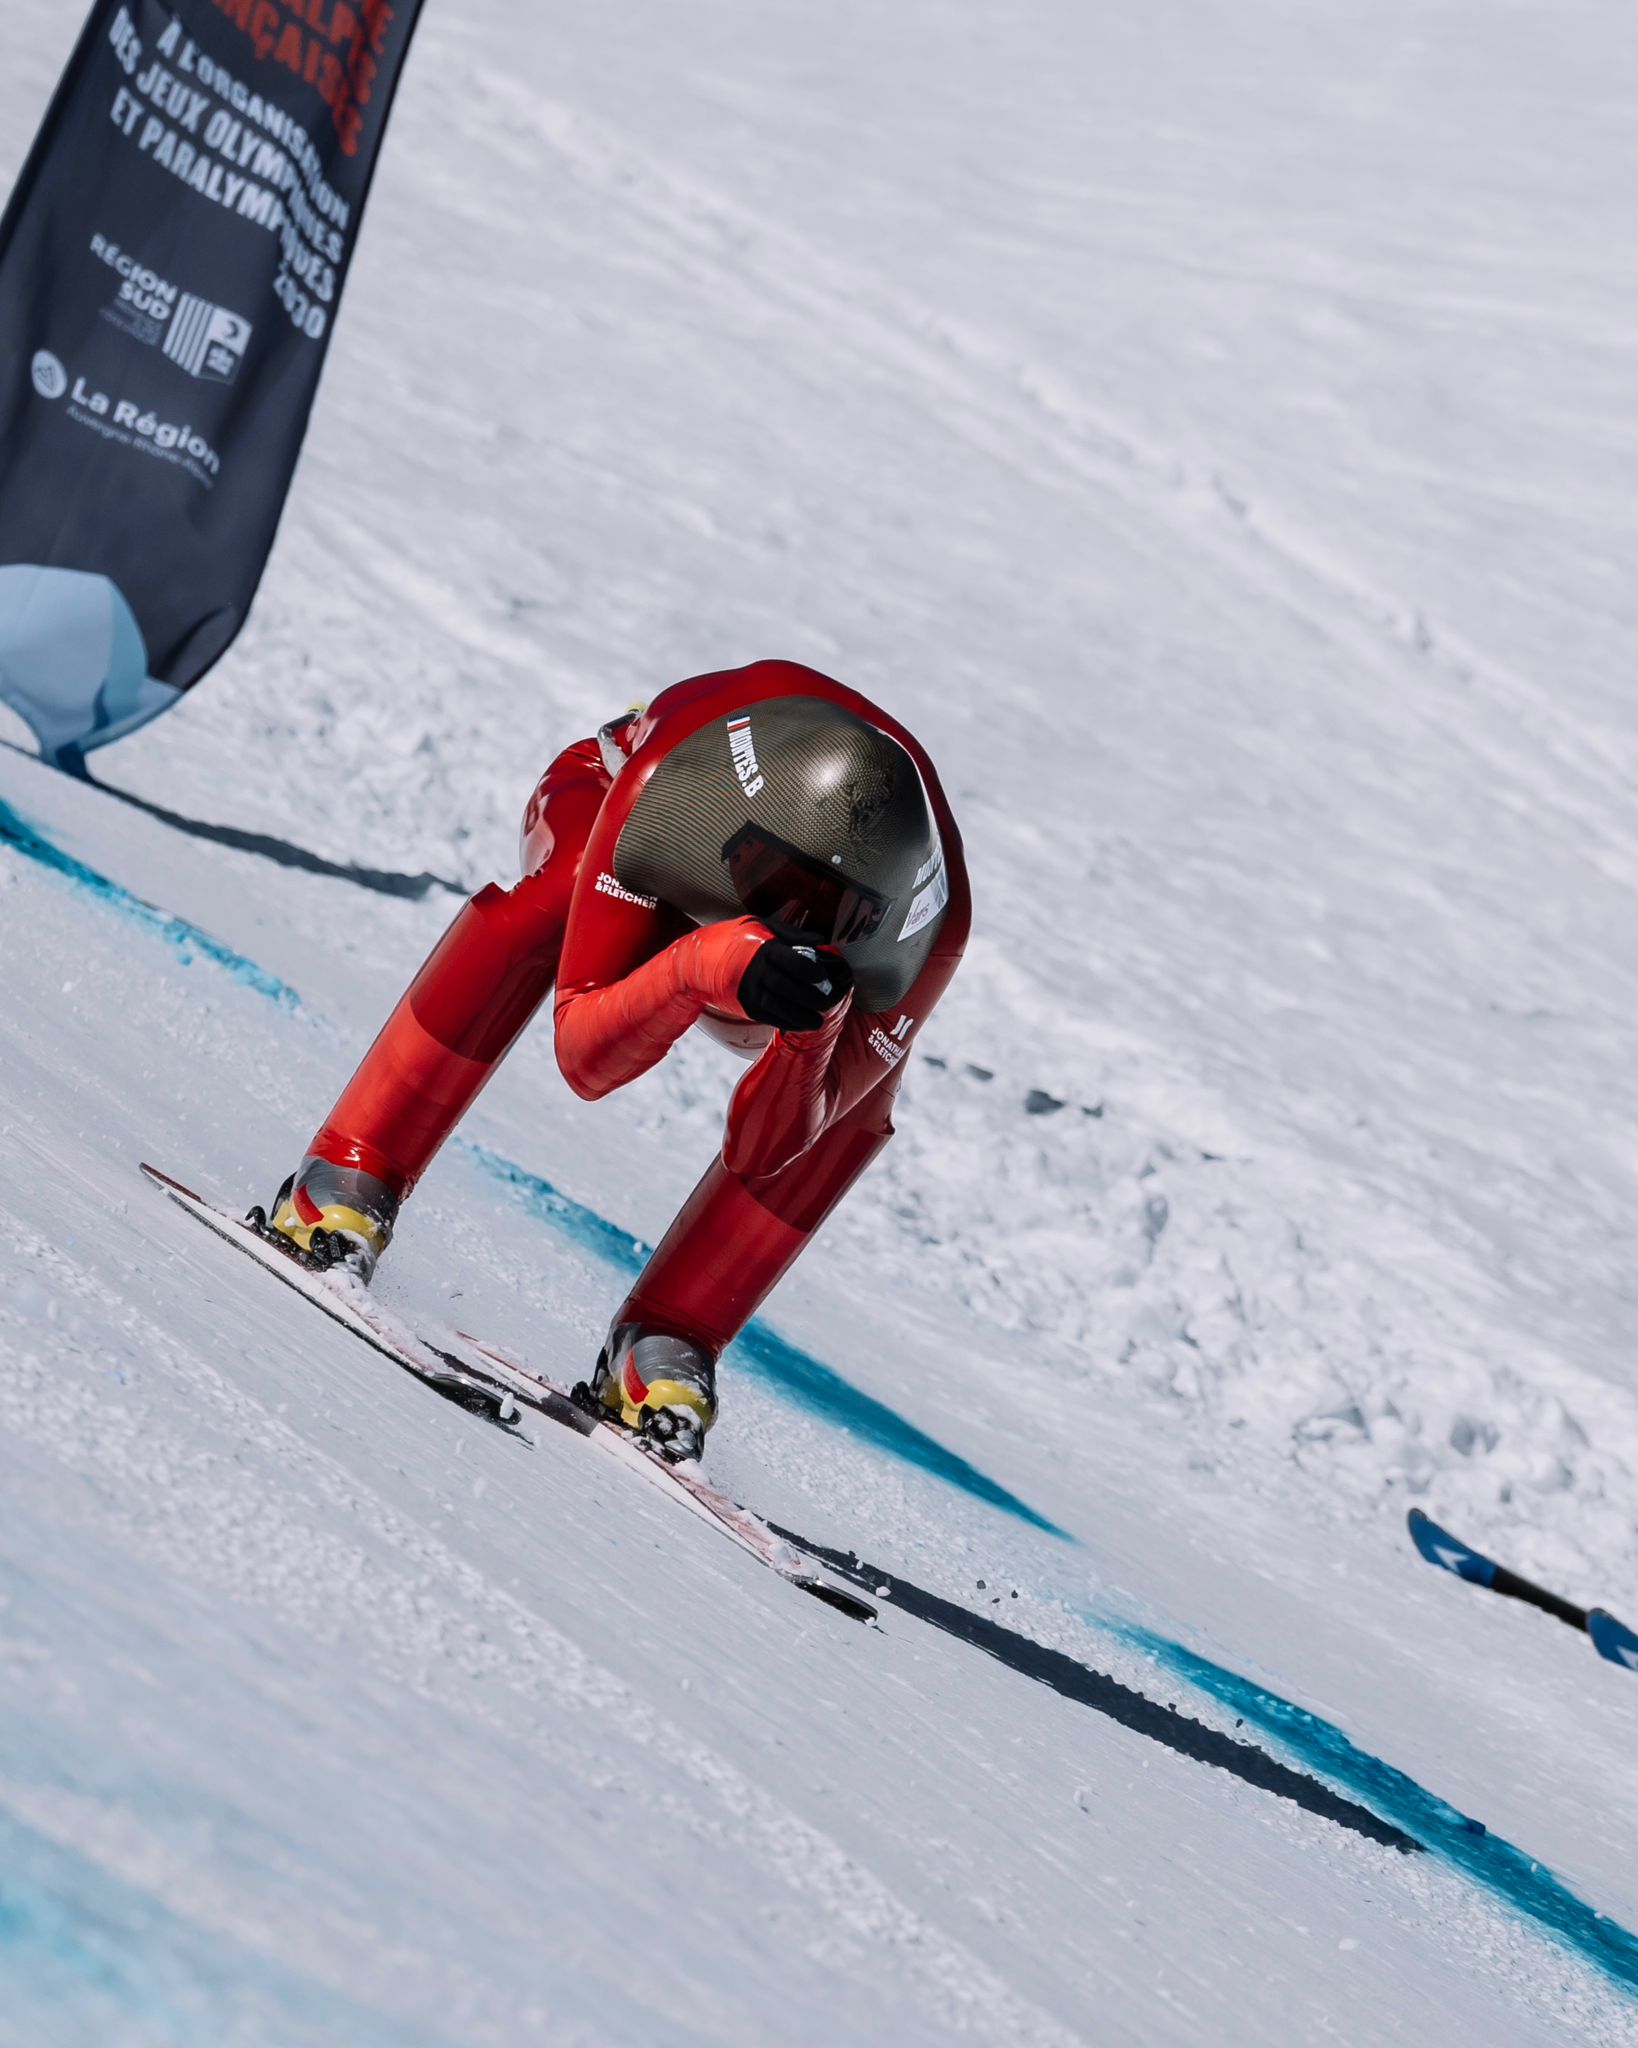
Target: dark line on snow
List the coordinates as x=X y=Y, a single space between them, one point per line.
x=283 y=853
x=1090 y=1687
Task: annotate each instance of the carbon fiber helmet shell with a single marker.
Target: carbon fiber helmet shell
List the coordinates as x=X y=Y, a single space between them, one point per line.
x=822 y=780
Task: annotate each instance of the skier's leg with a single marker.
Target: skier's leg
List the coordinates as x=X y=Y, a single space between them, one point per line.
x=732 y=1243
x=479 y=987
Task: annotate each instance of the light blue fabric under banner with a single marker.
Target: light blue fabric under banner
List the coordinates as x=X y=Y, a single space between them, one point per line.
x=72 y=661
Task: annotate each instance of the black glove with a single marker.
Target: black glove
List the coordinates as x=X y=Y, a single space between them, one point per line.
x=792 y=987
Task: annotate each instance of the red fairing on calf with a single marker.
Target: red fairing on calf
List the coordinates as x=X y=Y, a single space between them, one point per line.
x=735 y=1239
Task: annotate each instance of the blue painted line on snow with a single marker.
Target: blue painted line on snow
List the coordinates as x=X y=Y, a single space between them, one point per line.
x=792 y=1372
x=789 y=1371
x=582 y=1226
x=186 y=940
x=1518 y=1880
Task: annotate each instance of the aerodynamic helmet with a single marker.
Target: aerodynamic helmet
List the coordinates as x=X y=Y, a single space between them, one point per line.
x=805 y=815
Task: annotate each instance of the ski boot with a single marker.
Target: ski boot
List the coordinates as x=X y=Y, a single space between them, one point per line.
x=662 y=1386
x=332 y=1216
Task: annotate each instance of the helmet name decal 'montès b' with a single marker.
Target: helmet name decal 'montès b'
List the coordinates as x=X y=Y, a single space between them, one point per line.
x=742 y=749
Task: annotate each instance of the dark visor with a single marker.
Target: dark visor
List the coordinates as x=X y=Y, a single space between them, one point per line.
x=786 y=887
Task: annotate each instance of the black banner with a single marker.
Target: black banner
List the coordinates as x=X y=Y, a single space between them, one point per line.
x=171 y=262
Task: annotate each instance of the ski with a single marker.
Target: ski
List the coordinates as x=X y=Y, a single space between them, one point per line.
x=683 y=1481
x=492 y=1384
x=343 y=1298
x=1611 y=1638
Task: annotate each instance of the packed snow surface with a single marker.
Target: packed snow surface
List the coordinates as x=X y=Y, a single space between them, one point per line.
x=1211 y=429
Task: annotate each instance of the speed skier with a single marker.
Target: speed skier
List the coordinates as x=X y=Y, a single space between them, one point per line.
x=763 y=853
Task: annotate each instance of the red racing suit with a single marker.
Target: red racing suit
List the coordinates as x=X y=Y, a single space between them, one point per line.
x=631 y=977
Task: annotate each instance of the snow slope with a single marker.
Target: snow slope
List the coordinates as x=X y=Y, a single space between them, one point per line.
x=1206 y=428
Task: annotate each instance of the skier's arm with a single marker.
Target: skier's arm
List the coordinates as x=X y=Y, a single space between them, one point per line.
x=615 y=1020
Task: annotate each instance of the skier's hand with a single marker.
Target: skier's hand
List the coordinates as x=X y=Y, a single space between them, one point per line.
x=793 y=988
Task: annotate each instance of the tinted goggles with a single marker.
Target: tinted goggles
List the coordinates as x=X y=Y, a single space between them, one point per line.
x=788 y=888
